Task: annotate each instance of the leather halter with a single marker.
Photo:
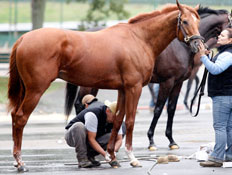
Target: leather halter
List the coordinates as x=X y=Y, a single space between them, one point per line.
x=187 y=39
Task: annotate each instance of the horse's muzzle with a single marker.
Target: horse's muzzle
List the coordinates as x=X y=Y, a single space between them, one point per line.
x=194 y=45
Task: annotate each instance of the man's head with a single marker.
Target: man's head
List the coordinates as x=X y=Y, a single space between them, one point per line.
x=87 y=99
x=111 y=110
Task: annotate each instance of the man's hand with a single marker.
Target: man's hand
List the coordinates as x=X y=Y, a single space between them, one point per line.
x=107 y=157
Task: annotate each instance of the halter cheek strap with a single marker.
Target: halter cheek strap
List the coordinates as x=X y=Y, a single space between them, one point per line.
x=187 y=39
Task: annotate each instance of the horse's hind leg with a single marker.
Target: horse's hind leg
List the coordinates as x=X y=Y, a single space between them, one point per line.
x=19 y=119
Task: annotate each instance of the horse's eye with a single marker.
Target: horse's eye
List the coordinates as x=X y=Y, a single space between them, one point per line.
x=185 y=22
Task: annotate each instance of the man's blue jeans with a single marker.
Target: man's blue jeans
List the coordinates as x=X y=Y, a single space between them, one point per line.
x=222 y=123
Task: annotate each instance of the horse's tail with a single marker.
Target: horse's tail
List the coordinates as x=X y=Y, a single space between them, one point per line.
x=16 y=90
x=70 y=96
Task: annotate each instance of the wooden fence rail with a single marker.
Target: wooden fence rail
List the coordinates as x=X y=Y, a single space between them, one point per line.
x=4 y=57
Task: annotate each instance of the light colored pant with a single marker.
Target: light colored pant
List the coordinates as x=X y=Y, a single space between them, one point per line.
x=222 y=123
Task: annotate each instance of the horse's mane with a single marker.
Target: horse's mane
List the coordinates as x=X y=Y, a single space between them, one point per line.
x=167 y=8
x=206 y=11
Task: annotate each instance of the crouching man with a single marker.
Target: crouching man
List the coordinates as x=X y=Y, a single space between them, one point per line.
x=89 y=132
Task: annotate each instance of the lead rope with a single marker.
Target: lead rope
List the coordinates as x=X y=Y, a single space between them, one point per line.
x=201 y=88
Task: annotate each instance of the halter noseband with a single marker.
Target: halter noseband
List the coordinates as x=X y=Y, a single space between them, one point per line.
x=187 y=38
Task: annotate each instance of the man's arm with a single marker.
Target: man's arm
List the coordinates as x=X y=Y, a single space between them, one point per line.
x=95 y=145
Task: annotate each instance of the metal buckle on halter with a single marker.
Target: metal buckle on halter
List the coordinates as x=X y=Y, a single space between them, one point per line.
x=187 y=39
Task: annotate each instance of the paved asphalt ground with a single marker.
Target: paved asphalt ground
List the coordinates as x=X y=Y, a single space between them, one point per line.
x=45 y=152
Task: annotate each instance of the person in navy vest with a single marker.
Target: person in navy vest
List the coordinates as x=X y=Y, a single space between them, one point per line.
x=89 y=132
x=220 y=90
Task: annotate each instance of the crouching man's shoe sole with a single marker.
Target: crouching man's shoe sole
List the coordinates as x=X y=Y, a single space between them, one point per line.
x=85 y=164
x=94 y=162
x=210 y=164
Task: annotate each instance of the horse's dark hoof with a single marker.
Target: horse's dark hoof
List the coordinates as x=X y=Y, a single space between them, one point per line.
x=114 y=164
x=173 y=146
x=152 y=148
x=22 y=169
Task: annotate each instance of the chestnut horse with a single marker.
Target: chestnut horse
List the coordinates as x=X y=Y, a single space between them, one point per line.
x=170 y=76
x=120 y=57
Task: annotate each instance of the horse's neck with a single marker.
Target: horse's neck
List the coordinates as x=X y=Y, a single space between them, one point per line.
x=159 y=31
x=208 y=25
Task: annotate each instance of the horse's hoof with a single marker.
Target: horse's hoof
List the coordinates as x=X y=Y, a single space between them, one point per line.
x=135 y=163
x=152 y=148
x=173 y=158
x=174 y=146
x=114 y=164
x=22 y=169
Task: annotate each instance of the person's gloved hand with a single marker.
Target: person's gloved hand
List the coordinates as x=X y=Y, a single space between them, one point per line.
x=107 y=157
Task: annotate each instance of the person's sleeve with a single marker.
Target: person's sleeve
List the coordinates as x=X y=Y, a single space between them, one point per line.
x=91 y=122
x=223 y=61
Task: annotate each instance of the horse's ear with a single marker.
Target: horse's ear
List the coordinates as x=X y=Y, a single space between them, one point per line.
x=197 y=7
x=179 y=6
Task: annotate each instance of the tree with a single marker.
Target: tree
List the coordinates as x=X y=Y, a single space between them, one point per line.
x=37 y=13
x=99 y=10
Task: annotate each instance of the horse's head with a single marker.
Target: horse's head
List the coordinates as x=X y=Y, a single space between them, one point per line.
x=212 y=23
x=187 y=26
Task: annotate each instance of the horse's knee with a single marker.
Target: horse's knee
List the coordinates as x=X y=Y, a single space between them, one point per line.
x=150 y=133
x=129 y=126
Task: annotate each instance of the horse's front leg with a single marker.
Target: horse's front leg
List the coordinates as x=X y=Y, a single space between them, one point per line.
x=172 y=102
x=189 y=85
x=117 y=124
x=131 y=101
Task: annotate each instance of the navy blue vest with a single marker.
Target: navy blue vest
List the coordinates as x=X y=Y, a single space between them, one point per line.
x=99 y=109
x=221 y=84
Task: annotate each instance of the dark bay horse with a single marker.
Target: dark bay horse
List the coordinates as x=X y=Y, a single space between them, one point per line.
x=180 y=67
x=120 y=57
